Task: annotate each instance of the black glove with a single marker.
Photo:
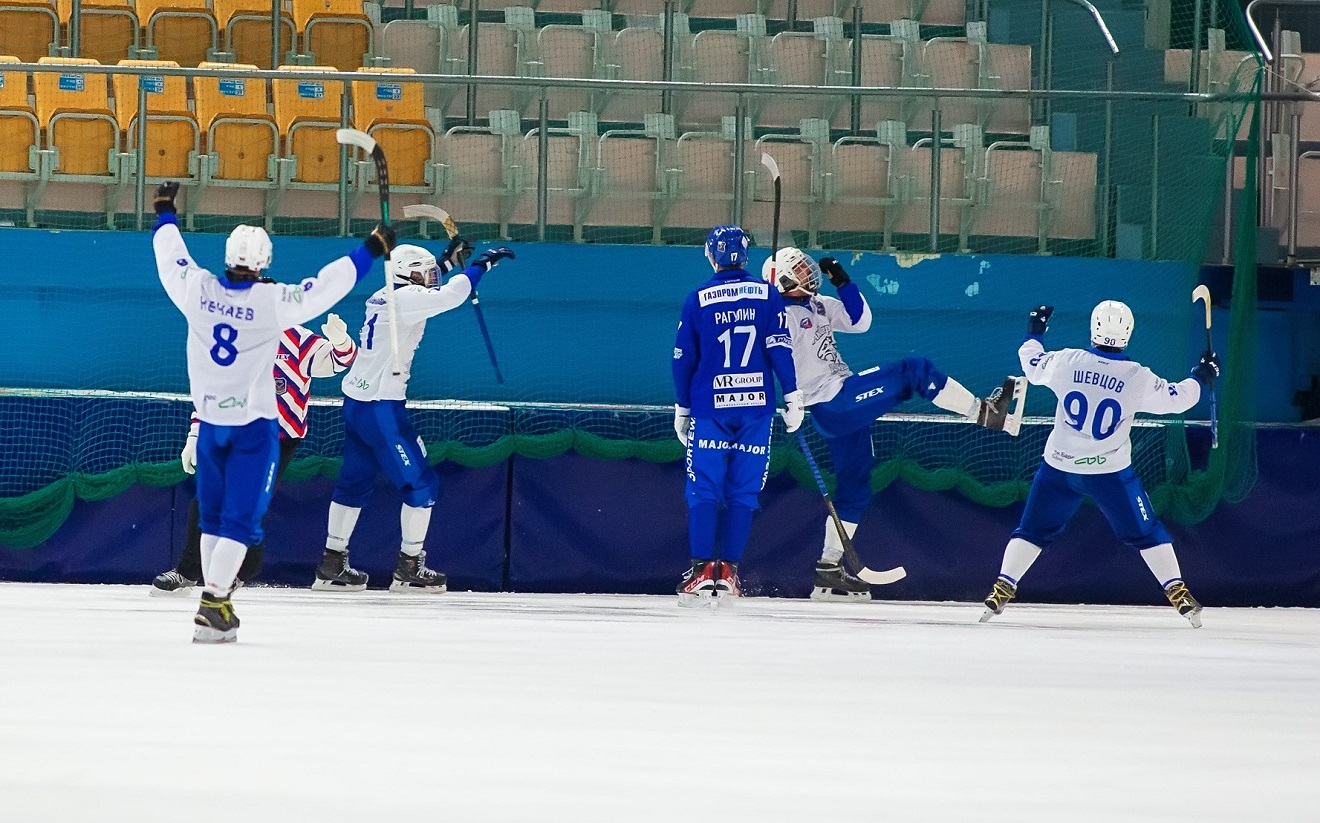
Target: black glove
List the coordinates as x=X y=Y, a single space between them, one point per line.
x=488 y=258
x=456 y=254
x=1207 y=370
x=165 y=194
x=1039 y=320
x=834 y=270
x=381 y=241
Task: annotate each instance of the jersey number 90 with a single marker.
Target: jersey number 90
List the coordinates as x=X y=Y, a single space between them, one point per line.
x=1107 y=414
x=224 y=352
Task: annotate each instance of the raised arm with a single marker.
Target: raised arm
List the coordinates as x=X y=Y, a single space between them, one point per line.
x=1037 y=364
x=174 y=265
x=330 y=352
x=1164 y=397
x=850 y=314
x=314 y=296
x=423 y=303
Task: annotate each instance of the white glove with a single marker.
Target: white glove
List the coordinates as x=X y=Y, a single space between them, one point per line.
x=795 y=412
x=189 y=456
x=336 y=331
x=682 y=423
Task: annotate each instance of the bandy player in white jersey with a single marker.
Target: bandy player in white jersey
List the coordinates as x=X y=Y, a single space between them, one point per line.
x=1089 y=452
x=378 y=436
x=234 y=327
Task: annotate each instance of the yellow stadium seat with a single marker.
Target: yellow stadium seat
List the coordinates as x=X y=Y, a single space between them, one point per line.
x=29 y=29
x=394 y=113
x=307 y=113
x=74 y=109
x=240 y=133
x=108 y=31
x=172 y=133
x=246 y=28
x=335 y=32
x=181 y=30
x=19 y=129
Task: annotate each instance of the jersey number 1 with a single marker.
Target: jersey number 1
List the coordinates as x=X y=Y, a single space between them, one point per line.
x=224 y=352
x=727 y=340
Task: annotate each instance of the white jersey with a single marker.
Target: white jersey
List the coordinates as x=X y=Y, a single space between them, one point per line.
x=816 y=359
x=234 y=333
x=372 y=377
x=1098 y=396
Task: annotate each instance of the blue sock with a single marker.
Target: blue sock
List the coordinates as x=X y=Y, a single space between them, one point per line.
x=735 y=527
x=702 y=518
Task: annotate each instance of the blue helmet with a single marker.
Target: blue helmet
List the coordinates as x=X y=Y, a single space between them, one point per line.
x=726 y=246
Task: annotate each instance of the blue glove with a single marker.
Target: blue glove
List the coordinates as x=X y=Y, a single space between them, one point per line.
x=1039 y=320
x=1207 y=370
x=488 y=259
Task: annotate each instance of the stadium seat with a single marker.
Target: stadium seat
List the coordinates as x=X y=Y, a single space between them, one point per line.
x=19 y=130
x=497 y=54
x=172 y=134
x=241 y=137
x=630 y=181
x=29 y=29
x=957 y=182
x=865 y=187
x=939 y=12
x=307 y=113
x=428 y=47
x=335 y=32
x=886 y=61
x=108 y=29
x=718 y=56
x=702 y=174
x=246 y=28
x=800 y=59
x=971 y=63
x=566 y=51
x=1012 y=66
x=568 y=168
x=638 y=54
x=483 y=167
x=394 y=113
x=1308 y=202
x=801 y=203
x=74 y=109
x=184 y=31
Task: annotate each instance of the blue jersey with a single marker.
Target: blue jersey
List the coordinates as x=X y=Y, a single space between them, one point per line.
x=733 y=332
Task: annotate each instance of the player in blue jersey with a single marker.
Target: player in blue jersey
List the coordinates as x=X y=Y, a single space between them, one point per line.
x=733 y=333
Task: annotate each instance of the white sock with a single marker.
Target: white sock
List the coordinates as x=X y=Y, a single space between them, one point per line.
x=1018 y=557
x=343 y=519
x=226 y=559
x=833 y=551
x=956 y=398
x=208 y=549
x=1163 y=563
x=413 y=523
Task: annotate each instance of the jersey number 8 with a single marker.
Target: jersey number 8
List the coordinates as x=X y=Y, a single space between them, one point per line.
x=1107 y=414
x=224 y=352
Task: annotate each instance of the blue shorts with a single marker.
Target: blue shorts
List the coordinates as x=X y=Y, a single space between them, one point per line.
x=1056 y=495
x=235 y=478
x=379 y=438
x=728 y=460
x=868 y=396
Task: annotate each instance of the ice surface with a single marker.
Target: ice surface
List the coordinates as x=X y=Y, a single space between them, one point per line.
x=503 y=707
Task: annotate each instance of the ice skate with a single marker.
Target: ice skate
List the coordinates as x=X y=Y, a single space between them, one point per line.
x=170 y=583
x=335 y=574
x=727 y=584
x=215 y=621
x=1002 y=592
x=834 y=582
x=1182 y=600
x=411 y=574
x=697 y=587
x=1003 y=409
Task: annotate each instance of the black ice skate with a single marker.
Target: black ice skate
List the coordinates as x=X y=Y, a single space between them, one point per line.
x=697 y=588
x=1002 y=592
x=170 y=583
x=335 y=574
x=834 y=582
x=1182 y=600
x=215 y=621
x=411 y=574
x=1003 y=409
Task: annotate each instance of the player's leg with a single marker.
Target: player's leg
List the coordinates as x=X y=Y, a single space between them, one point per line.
x=254 y=455
x=403 y=457
x=748 y=467
x=215 y=621
x=185 y=575
x=854 y=457
x=1051 y=503
x=255 y=554
x=706 y=465
x=1122 y=499
x=357 y=480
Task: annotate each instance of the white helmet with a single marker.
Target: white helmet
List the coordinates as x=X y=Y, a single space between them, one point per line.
x=248 y=247
x=794 y=269
x=413 y=265
x=1111 y=325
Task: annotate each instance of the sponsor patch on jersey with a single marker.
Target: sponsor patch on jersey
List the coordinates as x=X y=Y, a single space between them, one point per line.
x=779 y=340
x=806 y=323
x=678 y=353
x=740 y=399
x=732 y=293
x=752 y=380
x=281 y=385
x=1098 y=460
